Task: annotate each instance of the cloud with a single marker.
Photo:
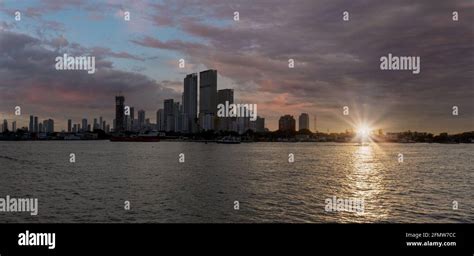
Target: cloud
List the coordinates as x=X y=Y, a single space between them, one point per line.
x=337 y=62
x=29 y=79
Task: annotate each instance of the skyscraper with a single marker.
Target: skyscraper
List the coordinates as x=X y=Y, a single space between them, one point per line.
x=31 y=127
x=260 y=124
x=84 y=125
x=36 y=127
x=5 y=125
x=48 y=126
x=51 y=125
x=208 y=92
x=160 y=120
x=207 y=98
x=119 y=113
x=132 y=113
x=69 y=125
x=96 y=124
x=14 y=126
x=224 y=95
x=190 y=102
x=44 y=127
x=141 y=119
x=287 y=123
x=303 y=122
x=131 y=122
x=169 y=111
x=177 y=116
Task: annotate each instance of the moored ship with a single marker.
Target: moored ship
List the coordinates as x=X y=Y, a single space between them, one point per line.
x=142 y=137
x=229 y=140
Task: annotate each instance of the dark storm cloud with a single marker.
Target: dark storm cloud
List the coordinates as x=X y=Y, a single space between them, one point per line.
x=29 y=79
x=337 y=63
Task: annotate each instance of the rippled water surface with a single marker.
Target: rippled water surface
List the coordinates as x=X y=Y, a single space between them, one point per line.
x=258 y=175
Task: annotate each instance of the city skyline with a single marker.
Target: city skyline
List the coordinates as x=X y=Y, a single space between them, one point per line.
x=190 y=119
x=335 y=69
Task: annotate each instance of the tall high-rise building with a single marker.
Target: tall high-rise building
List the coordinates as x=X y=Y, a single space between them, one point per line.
x=190 y=95
x=208 y=92
x=44 y=126
x=207 y=99
x=100 y=124
x=287 y=123
x=127 y=123
x=169 y=118
x=96 y=124
x=119 y=113
x=132 y=125
x=14 y=126
x=141 y=119
x=48 y=126
x=160 y=120
x=303 y=122
x=223 y=96
x=177 y=108
x=51 y=125
x=132 y=113
x=5 y=125
x=260 y=124
x=69 y=125
x=31 y=127
x=36 y=127
x=84 y=125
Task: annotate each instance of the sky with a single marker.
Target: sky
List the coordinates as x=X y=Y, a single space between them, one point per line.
x=337 y=62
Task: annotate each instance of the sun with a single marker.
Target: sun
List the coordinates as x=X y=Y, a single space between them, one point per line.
x=363 y=131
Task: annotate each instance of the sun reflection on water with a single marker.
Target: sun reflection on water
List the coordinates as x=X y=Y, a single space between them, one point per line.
x=366 y=182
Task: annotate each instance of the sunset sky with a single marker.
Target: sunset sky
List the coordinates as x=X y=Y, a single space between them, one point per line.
x=336 y=62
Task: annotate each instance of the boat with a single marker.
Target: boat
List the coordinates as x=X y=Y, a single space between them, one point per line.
x=229 y=140
x=72 y=137
x=142 y=137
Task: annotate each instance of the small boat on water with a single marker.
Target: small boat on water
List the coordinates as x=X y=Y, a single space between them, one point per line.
x=229 y=140
x=142 y=137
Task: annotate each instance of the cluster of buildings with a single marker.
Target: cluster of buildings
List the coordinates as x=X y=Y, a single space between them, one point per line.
x=287 y=123
x=85 y=126
x=47 y=126
x=196 y=112
x=186 y=117
x=4 y=126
